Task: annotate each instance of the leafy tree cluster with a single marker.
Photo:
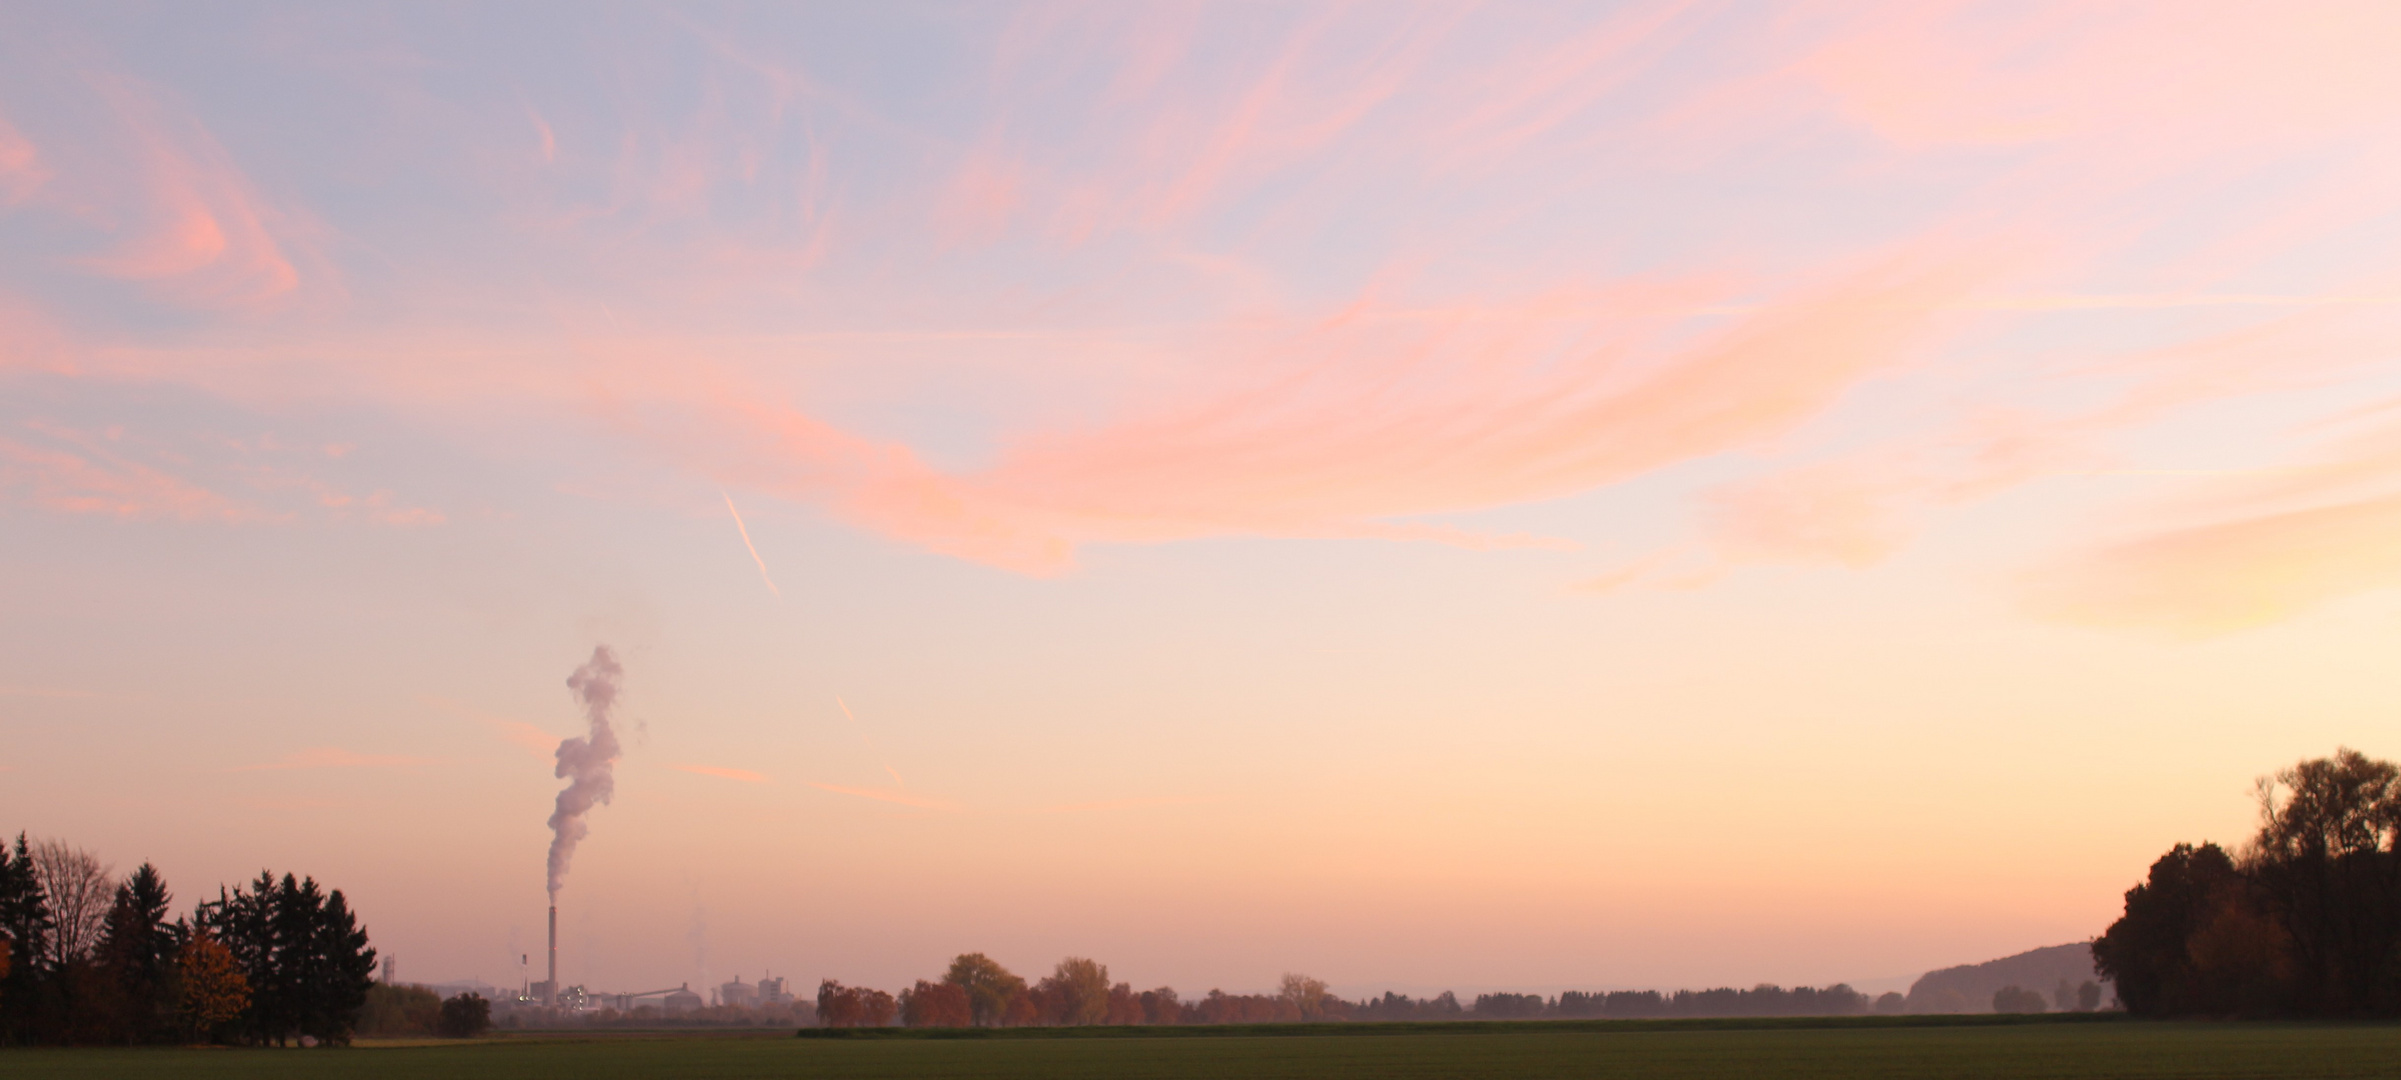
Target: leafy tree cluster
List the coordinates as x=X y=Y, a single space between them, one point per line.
x=271 y=963
x=2305 y=920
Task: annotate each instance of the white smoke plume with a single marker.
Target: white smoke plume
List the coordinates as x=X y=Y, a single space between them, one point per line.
x=585 y=761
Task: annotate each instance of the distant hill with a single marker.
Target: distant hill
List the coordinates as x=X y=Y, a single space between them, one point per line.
x=1969 y=987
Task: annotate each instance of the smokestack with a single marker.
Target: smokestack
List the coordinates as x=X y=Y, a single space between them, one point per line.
x=553 y=995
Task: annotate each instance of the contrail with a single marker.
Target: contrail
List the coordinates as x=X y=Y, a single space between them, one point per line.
x=754 y=550
x=862 y=730
x=586 y=762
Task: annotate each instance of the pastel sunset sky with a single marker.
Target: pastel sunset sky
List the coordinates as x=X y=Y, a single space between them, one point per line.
x=1476 y=497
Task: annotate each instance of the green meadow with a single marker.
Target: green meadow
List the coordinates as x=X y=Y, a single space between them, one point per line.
x=1749 y=1051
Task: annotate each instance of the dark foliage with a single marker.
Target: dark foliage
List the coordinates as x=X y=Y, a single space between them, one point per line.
x=400 y=1011
x=304 y=954
x=132 y=997
x=2018 y=999
x=1510 y=1006
x=465 y=1017
x=25 y=921
x=2306 y=923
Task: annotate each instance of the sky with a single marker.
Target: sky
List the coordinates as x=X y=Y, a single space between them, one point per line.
x=1427 y=496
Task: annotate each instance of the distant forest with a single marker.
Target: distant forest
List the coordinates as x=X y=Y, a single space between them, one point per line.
x=2304 y=920
x=978 y=992
x=87 y=958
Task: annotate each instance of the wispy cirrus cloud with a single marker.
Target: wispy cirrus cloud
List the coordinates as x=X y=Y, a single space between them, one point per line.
x=128 y=475
x=1282 y=273
x=86 y=480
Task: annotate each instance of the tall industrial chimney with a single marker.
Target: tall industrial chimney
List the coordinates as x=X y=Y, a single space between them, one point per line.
x=551 y=997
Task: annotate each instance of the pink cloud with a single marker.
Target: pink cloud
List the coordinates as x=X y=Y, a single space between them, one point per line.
x=32 y=342
x=102 y=473
x=1274 y=410
x=1930 y=74
x=194 y=225
x=984 y=195
x=1511 y=104
x=1338 y=428
x=98 y=483
x=21 y=168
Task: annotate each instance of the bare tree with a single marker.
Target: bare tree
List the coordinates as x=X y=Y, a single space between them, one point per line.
x=79 y=889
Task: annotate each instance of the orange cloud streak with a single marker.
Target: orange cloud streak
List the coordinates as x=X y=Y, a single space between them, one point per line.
x=1349 y=424
x=2216 y=578
x=2256 y=546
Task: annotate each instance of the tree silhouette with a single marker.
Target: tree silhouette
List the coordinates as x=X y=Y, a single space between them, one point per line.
x=2308 y=922
x=2147 y=951
x=2326 y=864
x=465 y=1017
x=137 y=957
x=25 y=920
x=303 y=953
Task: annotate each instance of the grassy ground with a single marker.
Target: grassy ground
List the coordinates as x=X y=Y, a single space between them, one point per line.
x=1848 y=1051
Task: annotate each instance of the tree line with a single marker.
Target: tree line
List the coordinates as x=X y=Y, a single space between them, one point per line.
x=406 y=1010
x=978 y=992
x=2303 y=920
x=86 y=958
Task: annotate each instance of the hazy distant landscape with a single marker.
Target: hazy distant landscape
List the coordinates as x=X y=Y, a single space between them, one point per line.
x=1601 y=538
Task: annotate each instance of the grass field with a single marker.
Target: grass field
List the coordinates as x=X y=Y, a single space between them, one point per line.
x=1849 y=1051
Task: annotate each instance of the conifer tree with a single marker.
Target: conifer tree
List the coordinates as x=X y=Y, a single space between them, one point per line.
x=137 y=956
x=25 y=921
